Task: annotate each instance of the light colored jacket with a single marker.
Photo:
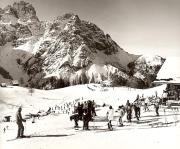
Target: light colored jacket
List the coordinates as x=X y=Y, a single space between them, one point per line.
x=121 y=112
x=146 y=100
x=110 y=114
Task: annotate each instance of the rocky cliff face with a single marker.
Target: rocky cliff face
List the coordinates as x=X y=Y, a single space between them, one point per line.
x=72 y=48
x=19 y=21
x=19 y=26
x=67 y=51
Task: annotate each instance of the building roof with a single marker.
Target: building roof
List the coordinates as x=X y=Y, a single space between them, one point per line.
x=175 y=81
x=15 y=81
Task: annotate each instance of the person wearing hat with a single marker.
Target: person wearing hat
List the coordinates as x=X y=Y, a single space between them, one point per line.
x=19 y=120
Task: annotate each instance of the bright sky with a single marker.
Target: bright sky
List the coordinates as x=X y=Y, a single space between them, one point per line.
x=139 y=26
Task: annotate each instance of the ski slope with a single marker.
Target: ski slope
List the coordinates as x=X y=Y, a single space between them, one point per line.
x=56 y=130
x=12 y=97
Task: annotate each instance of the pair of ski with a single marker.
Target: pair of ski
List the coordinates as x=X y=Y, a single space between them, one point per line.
x=17 y=138
x=111 y=128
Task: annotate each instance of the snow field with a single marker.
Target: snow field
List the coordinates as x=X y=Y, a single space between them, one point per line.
x=57 y=131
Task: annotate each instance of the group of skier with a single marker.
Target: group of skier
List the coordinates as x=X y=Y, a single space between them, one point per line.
x=86 y=111
x=128 y=109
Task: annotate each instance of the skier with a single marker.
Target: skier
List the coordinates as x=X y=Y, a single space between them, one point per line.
x=85 y=106
x=19 y=120
x=85 y=120
x=110 y=115
x=127 y=103
x=4 y=129
x=136 y=110
x=80 y=110
x=87 y=115
x=129 y=111
x=93 y=108
x=75 y=116
x=146 y=101
x=121 y=114
x=164 y=97
x=156 y=105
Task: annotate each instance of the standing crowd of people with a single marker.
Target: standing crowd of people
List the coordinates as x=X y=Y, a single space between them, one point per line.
x=86 y=110
x=129 y=108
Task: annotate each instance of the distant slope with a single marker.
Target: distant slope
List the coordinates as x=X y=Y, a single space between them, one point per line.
x=12 y=97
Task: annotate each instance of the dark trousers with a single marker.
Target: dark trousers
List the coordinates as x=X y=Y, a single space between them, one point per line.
x=129 y=117
x=109 y=124
x=120 y=121
x=20 y=132
x=86 y=125
x=137 y=115
x=157 y=111
x=139 y=112
x=93 y=112
x=76 y=122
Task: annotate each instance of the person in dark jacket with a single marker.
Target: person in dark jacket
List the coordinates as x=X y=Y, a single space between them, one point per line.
x=156 y=105
x=93 y=108
x=85 y=106
x=85 y=120
x=75 y=117
x=19 y=121
x=80 y=111
x=87 y=116
x=136 y=110
x=129 y=111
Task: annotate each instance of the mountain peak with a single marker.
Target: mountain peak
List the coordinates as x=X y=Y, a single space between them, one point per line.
x=25 y=11
x=21 y=3
x=22 y=11
x=67 y=18
x=69 y=15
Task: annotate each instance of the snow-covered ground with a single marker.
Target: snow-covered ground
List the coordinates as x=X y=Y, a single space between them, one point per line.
x=56 y=130
x=11 y=97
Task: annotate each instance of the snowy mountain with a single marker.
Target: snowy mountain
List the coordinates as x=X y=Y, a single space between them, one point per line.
x=67 y=51
x=147 y=67
x=19 y=26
